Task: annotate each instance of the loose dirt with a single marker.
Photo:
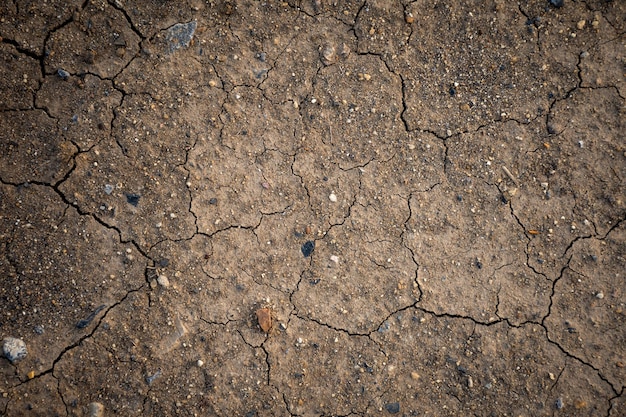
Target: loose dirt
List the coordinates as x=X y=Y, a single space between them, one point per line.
x=313 y=208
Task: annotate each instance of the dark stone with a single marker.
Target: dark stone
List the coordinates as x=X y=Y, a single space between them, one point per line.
x=557 y=3
x=213 y=201
x=133 y=199
x=164 y=262
x=558 y=404
x=63 y=74
x=307 y=248
x=180 y=35
x=392 y=408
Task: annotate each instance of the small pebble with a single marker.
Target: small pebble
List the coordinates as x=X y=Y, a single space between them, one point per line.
x=133 y=199
x=334 y=258
x=163 y=281
x=264 y=317
x=581 y=24
x=307 y=248
x=332 y=197
x=328 y=55
x=95 y=410
x=63 y=74
x=558 y=404
x=557 y=3
x=14 y=349
x=600 y=295
x=200 y=363
x=108 y=189
x=180 y=35
x=39 y=329
x=392 y=408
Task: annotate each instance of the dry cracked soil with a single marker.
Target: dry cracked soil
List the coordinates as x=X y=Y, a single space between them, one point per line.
x=313 y=208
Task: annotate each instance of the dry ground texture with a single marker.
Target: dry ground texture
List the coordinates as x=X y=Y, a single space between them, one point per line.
x=424 y=201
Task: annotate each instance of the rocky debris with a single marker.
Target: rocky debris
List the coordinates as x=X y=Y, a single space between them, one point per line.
x=14 y=349
x=180 y=35
x=307 y=248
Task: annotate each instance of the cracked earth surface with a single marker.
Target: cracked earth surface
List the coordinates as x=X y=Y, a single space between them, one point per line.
x=429 y=197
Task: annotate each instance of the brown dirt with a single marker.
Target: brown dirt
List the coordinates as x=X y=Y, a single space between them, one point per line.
x=428 y=197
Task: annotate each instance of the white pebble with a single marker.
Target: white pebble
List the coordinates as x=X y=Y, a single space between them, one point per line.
x=332 y=197
x=95 y=410
x=14 y=349
x=200 y=363
x=600 y=295
x=163 y=281
x=334 y=258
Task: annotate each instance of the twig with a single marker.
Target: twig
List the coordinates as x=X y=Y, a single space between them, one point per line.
x=508 y=174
